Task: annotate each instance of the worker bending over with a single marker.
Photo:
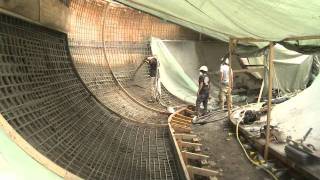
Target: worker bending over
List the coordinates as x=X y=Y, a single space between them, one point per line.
x=203 y=91
x=226 y=82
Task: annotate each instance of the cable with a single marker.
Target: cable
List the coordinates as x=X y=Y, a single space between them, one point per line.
x=251 y=160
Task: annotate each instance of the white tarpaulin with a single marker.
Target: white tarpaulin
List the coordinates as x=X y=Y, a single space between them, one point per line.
x=300 y=113
x=292 y=69
x=180 y=62
x=172 y=75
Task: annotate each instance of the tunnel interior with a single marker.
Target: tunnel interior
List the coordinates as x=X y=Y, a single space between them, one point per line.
x=74 y=95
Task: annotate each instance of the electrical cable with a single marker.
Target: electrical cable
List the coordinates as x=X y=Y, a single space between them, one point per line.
x=251 y=160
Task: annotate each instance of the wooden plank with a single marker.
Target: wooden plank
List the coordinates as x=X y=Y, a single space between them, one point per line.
x=180 y=126
x=180 y=157
x=271 y=56
x=194 y=156
x=185 y=136
x=180 y=129
x=201 y=171
x=182 y=120
x=247 y=39
x=175 y=113
x=297 y=38
x=183 y=116
x=232 y=44
x=248 y=70
x=189 y=144
x=302 y=38
x=260 y=92
x=190 y=111
x=180 y=123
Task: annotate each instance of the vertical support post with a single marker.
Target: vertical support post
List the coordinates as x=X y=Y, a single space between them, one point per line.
x=271 y=57
x=232 y=44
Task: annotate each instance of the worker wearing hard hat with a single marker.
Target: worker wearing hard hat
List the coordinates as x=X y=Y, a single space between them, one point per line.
x=203 y=91
x=225 y=80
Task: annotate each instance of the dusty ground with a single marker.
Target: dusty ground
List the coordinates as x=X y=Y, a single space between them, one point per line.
x=226 y=153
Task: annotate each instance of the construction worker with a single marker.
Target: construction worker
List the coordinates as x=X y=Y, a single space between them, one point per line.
x=154 y=74
x=224 y=82
x=203 y=91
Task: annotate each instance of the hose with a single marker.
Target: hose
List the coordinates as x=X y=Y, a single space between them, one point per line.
x=251 y=160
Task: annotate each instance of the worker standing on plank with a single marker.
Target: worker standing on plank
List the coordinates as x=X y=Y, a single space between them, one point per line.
x=203 y=91
x=154 y=74
x=225 y=80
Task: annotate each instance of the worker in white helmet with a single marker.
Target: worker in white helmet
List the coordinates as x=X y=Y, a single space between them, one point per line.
x=155 y=79
x=226 y=82
x=203 y=91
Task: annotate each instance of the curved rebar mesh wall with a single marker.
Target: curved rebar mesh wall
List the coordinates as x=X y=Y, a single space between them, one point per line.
x=43 y=99
x=125 y=33
x=83 y=123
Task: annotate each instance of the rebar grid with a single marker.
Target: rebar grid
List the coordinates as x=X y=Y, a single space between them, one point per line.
x=123 y=34
x=44 y=100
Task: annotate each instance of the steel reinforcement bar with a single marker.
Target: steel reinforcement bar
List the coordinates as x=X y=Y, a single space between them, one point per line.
x=43 y=99
x=58 y=93
x=108 y=41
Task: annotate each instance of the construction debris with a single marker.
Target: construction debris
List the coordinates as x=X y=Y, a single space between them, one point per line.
x=210 y=117
x=301 y=152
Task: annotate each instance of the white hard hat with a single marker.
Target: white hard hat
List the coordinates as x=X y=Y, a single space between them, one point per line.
x=227 y=61
x=224 y=60
x=204 y=68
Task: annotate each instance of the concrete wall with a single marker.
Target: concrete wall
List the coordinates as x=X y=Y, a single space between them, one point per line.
x=50 y=13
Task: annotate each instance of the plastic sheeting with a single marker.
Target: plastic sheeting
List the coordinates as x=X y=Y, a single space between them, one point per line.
x=172 y=75
x=292 y=74
x=300 y=113
x=271 y=20
x=292 y=69
x=180 y=62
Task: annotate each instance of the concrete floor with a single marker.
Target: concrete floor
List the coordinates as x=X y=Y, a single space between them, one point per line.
x=226 y=153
